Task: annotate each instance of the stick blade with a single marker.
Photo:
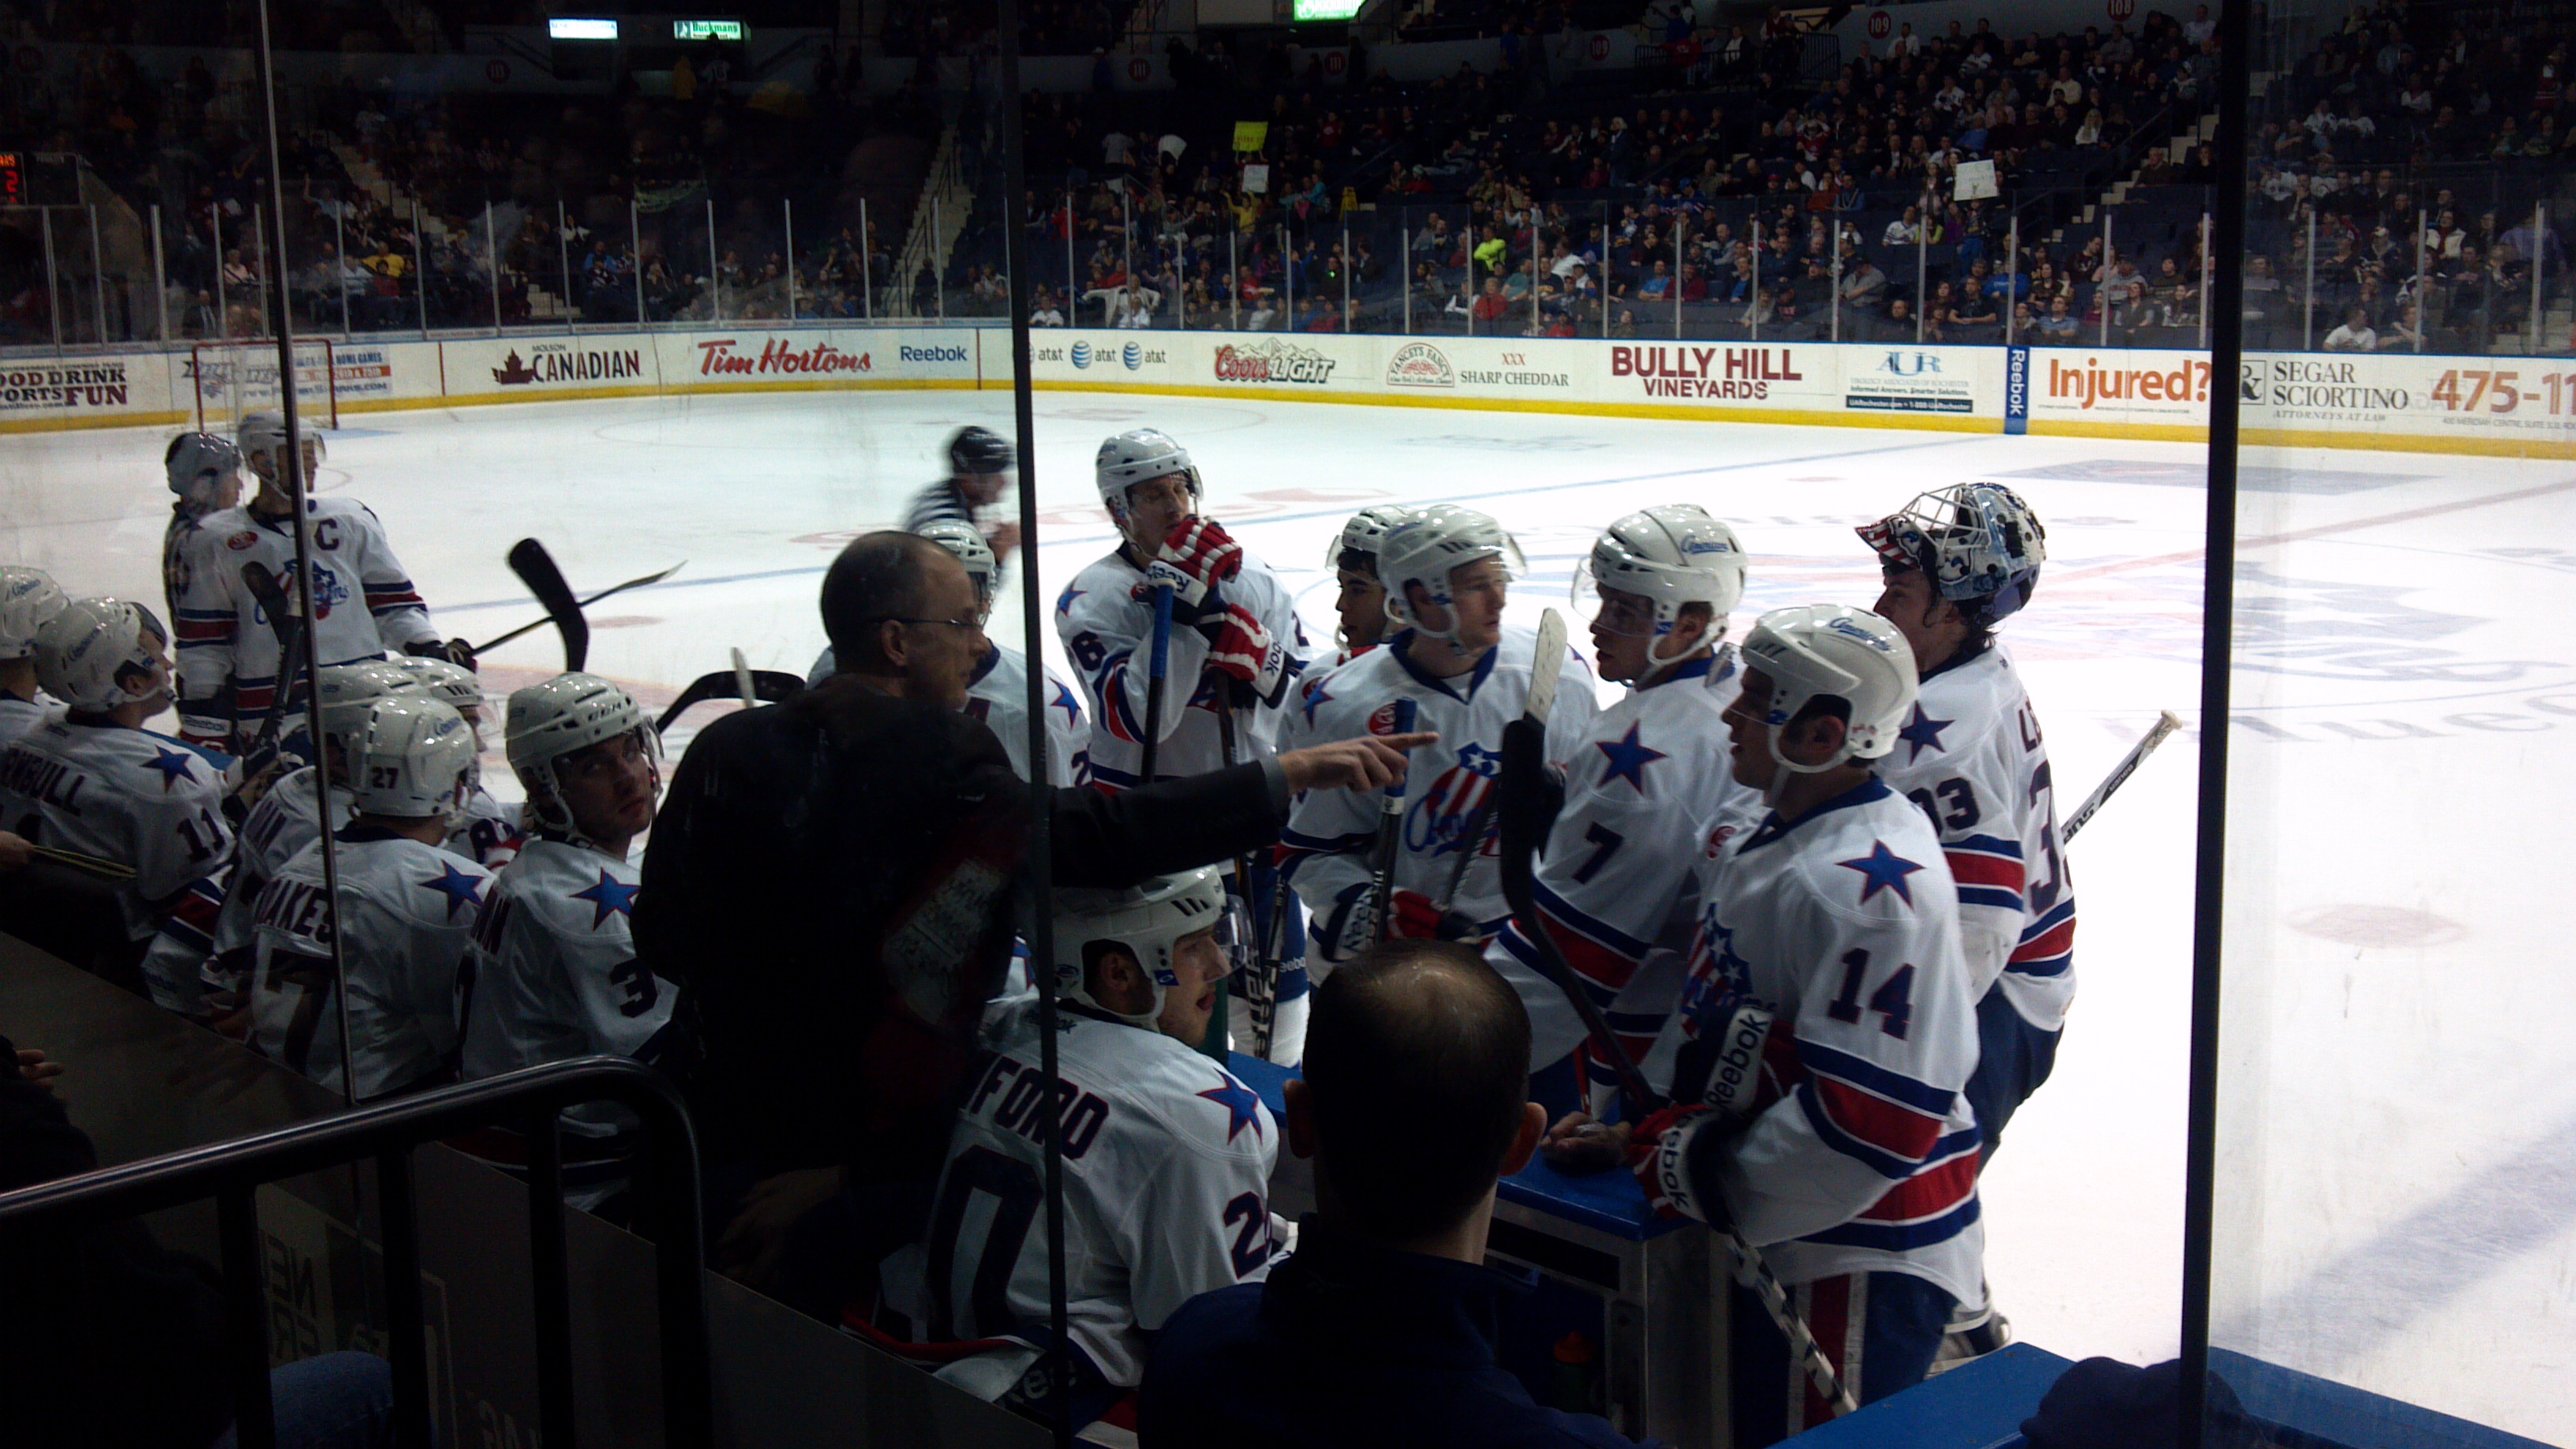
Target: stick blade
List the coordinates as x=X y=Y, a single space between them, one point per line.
x=536 y=569
x=1546 y=664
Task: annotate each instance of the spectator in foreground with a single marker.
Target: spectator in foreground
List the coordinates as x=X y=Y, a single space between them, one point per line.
x=1380 y=1330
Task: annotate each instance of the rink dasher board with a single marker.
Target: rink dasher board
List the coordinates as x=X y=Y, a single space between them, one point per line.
x=2486 y=405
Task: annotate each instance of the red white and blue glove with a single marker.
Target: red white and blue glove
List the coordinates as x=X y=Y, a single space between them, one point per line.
x=1198 y=557
x=1419 y=918
x=1659 y=1154
x=1238 y=647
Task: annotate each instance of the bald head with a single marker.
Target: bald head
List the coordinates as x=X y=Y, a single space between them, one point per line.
x=882 y=575
x=1417 y=1063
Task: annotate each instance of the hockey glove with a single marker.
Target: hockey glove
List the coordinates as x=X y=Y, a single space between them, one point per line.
x=1240 y=649
x=1194 y=604
x=455 y=651
x=1659 y=1153
x=1419 y=918
x=1203 y=550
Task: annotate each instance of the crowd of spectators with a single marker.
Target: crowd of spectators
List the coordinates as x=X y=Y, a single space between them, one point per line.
x=1522 y=201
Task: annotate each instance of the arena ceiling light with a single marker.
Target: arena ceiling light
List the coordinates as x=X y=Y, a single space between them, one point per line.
x=1327 y=9
x=706 y=30
x=567 y=29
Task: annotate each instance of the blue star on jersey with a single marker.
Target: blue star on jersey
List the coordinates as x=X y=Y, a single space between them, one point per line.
x=461 y=890
x=1316 y=696
x=1064 y=605
x=1882 y=869
x=611 y=897
x=173 y=765
x=1240 y=1103
x=1628 y=759
x=1065 y=701
x=1922 y=732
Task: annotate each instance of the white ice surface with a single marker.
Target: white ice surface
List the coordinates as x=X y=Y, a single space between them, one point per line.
x=2405 y=1048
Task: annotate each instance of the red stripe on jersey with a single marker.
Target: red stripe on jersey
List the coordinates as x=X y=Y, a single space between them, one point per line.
x=194 y=631
x=1897 y=1130
x=392 y=598
x=2057 y=941
x=1928 y=1195
x=1970 y=868
x=1597 y=963
x=1829 y=1318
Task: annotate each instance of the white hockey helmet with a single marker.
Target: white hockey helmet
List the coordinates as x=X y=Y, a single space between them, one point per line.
x=449 y=683
x=260 y=434
x=567 y=713
x=196 y=462
x=1978 y=542
x=1427 y=547
x=1139 y=456
x=1672 y=554
x=93 y=653
x=412 y=758
x=1146 y=920
x=28 y=597
x=1356 y=546
x=1815 y=651
x=347 y=692
x=967 y=542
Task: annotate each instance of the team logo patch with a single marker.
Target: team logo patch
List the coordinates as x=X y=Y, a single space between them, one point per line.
x=1383 y=721
x=1717 y=840
x=241 y=540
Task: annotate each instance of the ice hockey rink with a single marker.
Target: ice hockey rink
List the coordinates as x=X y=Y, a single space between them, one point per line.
x=2403 y=680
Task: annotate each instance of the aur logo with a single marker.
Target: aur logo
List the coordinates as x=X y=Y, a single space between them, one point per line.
x=1910 y=364
x=1419 y=364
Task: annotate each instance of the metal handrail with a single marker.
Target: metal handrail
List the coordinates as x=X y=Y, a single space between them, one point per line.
x=231 y=1172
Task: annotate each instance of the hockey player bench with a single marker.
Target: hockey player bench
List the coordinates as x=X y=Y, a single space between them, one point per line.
x=1662 y=1288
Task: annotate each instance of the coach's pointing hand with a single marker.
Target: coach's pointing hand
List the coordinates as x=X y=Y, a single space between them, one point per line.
x=1369 y=762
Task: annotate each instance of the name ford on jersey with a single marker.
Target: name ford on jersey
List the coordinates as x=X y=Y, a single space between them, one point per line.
x=1273 y=362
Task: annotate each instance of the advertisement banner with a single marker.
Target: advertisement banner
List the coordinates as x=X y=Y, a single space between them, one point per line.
x=2489 y=398
x=1903 y=379
x=2016 y=390
x=84 y=392
x=2139 y=386
x=1098 y=357
x=1799 y=376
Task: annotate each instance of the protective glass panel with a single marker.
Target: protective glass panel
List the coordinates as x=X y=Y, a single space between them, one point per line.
x=2393 y=1113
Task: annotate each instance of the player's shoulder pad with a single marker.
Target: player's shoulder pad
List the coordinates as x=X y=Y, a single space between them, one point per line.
x=1879 y=861
x=1205 y=1109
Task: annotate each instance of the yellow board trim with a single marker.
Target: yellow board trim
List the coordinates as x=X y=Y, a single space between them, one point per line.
x=1803 y=417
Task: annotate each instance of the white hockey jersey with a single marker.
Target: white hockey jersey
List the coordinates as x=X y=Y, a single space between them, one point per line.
x=1618 y=878
x=1861 y=1153
x=1109 y=633
x=1167 y=1162
x=998 y=695
x=487 y=831
x=1970 y=754
x=407 y=917
x=125 y=794
x=557 y=976
x=17 y=716
x=365 y=607
x=178 y=544
x=1330 y=833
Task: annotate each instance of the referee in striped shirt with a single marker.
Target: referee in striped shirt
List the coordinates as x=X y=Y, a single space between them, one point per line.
x=979 y=468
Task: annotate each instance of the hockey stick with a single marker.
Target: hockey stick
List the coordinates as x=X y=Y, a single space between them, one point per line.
x=1539 y=706
x=2165 y=724
x=502 y=639
x=1390 y=837
x=1158 y=663
x=1636 y=1097
x=771 y=685
x=742 y=680
x=536 y=568
x=288 y=626
x=97 y=865
x=1261 y=973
